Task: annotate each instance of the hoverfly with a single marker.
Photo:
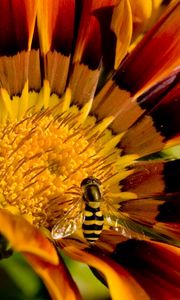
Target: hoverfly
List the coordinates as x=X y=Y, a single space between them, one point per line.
x=133 y=218
x=91 y=216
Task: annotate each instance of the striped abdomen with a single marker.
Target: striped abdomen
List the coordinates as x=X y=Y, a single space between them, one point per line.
x=93 y=222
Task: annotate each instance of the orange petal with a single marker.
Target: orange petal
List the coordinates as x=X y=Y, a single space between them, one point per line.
x=24 y=237
x=141 y=13
x=56 y=278
x=113 y=101
x=102 y=23
x=141 y=10
x=161 y=47
x=155 y=266
x=40 y=253
x=55 y=21
x=121 y=284
x=154 y=178
x=146 y=180
x=121 y=25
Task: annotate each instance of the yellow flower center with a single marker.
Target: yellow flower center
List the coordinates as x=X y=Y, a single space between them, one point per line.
x=45 y=156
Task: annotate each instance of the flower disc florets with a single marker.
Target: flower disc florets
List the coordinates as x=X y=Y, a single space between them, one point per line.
x=45 y=156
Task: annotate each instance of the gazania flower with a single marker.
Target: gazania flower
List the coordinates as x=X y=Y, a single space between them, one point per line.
x=82 y=119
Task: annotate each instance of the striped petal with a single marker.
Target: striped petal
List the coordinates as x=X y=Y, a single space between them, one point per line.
x=155 y=266
x=102 y=23
x=17 y=25
x=160 y=127
x=136 y=74
x=16 y=31
x=56 y=21
x=119 y=96
x=157 y=205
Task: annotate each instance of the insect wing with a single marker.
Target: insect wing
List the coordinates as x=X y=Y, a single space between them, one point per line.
x=136 y=219
x=120 y=221
x=67 y=224
x=123 y=226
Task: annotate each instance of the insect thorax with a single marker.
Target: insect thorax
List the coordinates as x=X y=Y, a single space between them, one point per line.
x=92 y=194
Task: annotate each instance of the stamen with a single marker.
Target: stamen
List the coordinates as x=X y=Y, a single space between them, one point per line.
x=45 y=156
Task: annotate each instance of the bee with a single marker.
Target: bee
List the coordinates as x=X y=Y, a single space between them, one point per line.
x=93 y=217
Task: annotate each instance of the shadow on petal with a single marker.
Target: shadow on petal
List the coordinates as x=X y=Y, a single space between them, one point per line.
x=154 y=265
x=121 y=284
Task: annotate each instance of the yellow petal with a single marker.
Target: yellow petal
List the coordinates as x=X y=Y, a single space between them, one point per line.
x=141 y=15
x=121 y=25
x=141 y=10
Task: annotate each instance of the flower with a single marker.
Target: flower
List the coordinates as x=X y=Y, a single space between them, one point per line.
x=73 y=105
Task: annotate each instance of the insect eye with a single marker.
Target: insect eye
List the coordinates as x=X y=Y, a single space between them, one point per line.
x=90 y=180
x=87 y=181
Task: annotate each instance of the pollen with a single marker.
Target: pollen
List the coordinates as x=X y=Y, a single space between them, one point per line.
x=46 y=154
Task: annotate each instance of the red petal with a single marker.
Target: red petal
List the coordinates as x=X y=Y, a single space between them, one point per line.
x=102 y=23
x=157 y=206
x=137 y=76
x=56 y=25
x=17 y=25
x=155 y=266
x=166 y=115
